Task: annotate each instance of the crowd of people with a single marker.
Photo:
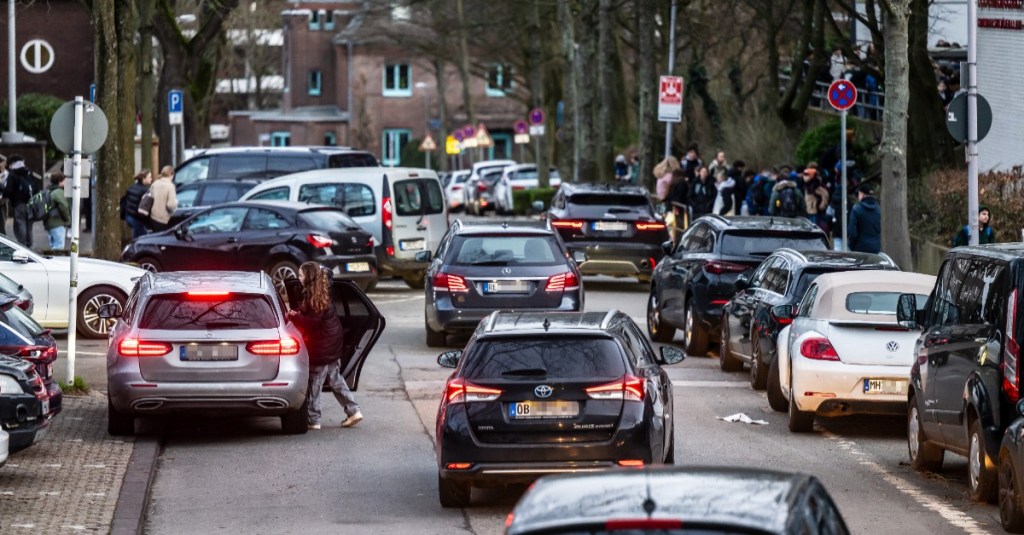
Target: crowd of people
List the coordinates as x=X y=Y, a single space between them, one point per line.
x=26 y=198
x=148 y=204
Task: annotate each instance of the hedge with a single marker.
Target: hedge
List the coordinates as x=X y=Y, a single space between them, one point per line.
x=522 y=200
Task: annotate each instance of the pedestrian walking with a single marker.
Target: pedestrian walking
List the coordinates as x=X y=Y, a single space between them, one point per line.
x=759 y=192
x=634 y=170
x=58 y=220
x=739 y=191
x=725 y=184
x=816 y=199
x=837 y=63
x=865 y=228
x=130 y=203
x=18 y=190
x=985 y=233
x=663 y=174
x=718 y=166
x=321 y=329
x=165 y=200
x=786 y=200
x=702 y=194
x=621 y=168
x=692 y=162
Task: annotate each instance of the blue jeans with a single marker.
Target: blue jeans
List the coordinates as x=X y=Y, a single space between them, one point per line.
x=137 y=224
x=331 y=373
x=57 y=235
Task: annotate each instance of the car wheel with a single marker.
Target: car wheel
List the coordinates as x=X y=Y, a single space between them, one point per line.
x=453 y=493
x=149 y=264
x=670 y=453
x=294 y=423
x=415 y=281
x=281 y=271
x=799 y=421
x=657 y=328
x=696 y=342
x=758 y=375
x=726 y=360
x=435 y=338
x=1011 y=512
x=923 y=455
x=118 y=423
x=983 y=480
x=775 y=398
x=89 y=322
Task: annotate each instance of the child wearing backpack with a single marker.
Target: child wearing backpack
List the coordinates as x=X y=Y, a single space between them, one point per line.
x=58 y=216
x=786 y=200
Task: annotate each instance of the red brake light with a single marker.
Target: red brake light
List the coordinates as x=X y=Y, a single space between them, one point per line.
x=518 y=188
x=562 y=282
x=385 y=213
x=779 y=319
x=456 y=188
x=448 y=282
x=1011 y=351
x=627 y=387
x=634 y=463
x=24 y=304
x=133 y=347
x=319 y=241
x=718 y=267
x=460 y=391
x=481 y=186
x=818 y=349
x=284 y=346
x=207 y=294
x=567 y=223
x=641 y=225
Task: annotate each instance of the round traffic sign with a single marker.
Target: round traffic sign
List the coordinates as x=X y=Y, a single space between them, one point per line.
x=468 y=131
x=94 y=127
x=458 y=135
x=520 y=127
x=956 y=118
x=842 y=95
x=536 y=116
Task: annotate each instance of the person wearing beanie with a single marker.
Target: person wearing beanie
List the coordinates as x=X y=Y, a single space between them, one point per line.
x=985 y=233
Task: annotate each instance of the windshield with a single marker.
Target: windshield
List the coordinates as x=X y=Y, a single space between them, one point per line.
x=551 y=358
x=530 y=173
x=418 y=197
x=507 y=251
x=232 y=311
x=764 y=245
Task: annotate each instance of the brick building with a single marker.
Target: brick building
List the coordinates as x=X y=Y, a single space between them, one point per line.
x=54 y=48
x=348 y=83
x=1000 y=79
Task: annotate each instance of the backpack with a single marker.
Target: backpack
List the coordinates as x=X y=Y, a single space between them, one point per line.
x=146 y=204
x=758 y=196
x=39 y=206
x=787 y=202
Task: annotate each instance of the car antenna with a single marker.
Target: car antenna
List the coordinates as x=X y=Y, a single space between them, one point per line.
x=504 y=225
x=649 y=505
x=547 y=324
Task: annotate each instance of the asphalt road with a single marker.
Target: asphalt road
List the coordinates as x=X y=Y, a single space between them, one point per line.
x=237 y=476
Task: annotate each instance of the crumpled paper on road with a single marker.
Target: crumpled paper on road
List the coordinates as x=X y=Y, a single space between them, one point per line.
x=741 y=417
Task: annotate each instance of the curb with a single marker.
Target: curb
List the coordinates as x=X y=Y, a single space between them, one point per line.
x=130 y=512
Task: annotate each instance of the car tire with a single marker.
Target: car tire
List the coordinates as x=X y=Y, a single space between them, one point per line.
x=295 y=423
x=726 y=360
x=982 y=481
x=657 y=328
x=758 y=373
x=415 y=281
x=453 y=494
x=799 y=421
x=150 y=264
x=88 y=322
x=670 y=454
x=923 y=455
x=696 y=343
x=435 y=338
x=119 y=424
x=1011 y=511
x=776 y=399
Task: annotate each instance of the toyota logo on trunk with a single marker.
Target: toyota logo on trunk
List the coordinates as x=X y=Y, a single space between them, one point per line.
x=543 y=391
x=892 y=346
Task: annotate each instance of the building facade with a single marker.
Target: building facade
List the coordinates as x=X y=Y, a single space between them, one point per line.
x=54 y=48
x=1000 y=79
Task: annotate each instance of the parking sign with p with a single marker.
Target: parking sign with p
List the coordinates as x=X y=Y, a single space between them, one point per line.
x=175 y=106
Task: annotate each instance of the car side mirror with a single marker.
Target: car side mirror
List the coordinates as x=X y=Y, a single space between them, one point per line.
x=19 y=257
x=672 y=355
x=449 y=359
x=109 y=311
x=742 y=282
x=667 y=246
x=579 y=256
x=180 y=232
x=906 y=311
x=783 y=312
x=423 y=256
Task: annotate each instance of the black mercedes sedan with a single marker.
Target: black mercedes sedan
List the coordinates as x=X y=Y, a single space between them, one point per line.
x=546 y=393
x=273 y=236
x=677 y=501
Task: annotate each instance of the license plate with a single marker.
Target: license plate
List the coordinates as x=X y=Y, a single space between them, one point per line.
x=209 y=352
x=612 y=226
x=357 y=267
x=45 y=407
x=506 y=287
x=885 y=386
x=525 y=410
x=48 y=371
x=412 y=245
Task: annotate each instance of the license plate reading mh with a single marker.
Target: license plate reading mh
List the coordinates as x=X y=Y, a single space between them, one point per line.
x=885 y=386
x=525 y=410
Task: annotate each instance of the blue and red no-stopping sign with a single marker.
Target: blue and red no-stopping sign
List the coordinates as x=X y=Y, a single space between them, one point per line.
x=842 y=95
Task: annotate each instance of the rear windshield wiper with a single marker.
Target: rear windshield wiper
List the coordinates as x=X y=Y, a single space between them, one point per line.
x=526 y=371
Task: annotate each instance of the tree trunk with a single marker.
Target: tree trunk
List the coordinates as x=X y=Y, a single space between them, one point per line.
x=895 y=233
x=147 y=96
x=646 y=80
x=467 y=78
x=586 y=91
x=537 y=90
x=568 y=134
x=442 y=112
x=603 y=149
x=929 y=146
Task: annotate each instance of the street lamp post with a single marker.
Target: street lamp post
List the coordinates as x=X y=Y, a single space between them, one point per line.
x=426 y=114
x=11 y=135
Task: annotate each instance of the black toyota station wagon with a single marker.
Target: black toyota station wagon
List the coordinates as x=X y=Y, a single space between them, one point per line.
x=545 y=393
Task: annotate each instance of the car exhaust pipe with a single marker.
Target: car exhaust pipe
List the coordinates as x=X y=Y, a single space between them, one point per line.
x=148 y=405
x=645 y=264
x=21 y=413
x=271 y=403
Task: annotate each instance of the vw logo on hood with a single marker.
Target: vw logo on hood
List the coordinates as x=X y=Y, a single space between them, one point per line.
x=506 y=271
x=892 y=346
x=543 y=391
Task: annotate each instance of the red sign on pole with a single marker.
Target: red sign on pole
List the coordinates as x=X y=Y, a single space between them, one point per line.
x=842 y=95
x=670 y=99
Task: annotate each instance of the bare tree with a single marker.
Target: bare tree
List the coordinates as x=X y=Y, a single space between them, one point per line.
x=895 y=230
x=646 y=79
x=253 y=55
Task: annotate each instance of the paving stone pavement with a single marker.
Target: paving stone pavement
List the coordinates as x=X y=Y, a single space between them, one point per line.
x=69 y=482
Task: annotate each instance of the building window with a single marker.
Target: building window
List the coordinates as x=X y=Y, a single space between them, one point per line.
x=313 y=82
x=499 y=80
x=397 y=80
x=330 y=139
x=280 y=139
x=395 y=140
x=314 y=20
x=329 y=20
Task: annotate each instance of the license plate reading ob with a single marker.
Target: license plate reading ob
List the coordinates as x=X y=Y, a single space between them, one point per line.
x=524 y=410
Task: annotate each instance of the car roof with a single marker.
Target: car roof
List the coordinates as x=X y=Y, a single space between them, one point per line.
x=833 y=288
x=748 y=222
x=347 y=174
x=1002 y=251
x=230 y=181
x=740 y=497
x=838 y=259
x=482 y=228
x=278 y=150
x=295 y=206
x=500 y=322
x=589 y=187
x=229 y=281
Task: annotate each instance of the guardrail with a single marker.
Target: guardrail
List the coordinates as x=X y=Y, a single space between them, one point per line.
x=870 y=104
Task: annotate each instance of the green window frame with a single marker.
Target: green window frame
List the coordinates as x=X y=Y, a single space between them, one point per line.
x=394 y=140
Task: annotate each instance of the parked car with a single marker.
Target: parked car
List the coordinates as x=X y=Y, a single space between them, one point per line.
x=517 y=178
x=21 y=336
x=197 y=196
x=475 y=173
x=584 y=392
x=273 y=236
x=965 y=381
x=23 y=296
x=24 y=403
x=480 y=191
x=844 y=353
x=1011 y=461
x=404 y=209
x=5 y=445
x=264 y=163
x=615 y=226
x=751 y=320
x=217 y=343
x=454 y=190
x=697 y=277
x=673 y=501
x=479 y=268
x=46 y=278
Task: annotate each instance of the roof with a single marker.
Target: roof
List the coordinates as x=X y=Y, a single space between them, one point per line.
x=374 y=24
x=230 y=281
x=296 y=206
x=588 y=187
x=466 y=228
x=740 y=497
x=277 y=150
x=840 y=259
x=561 y=322
x=833 y=289
x=747 y=222
x=1002 y=251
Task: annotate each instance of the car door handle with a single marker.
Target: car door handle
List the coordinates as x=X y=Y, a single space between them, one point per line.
x=981 y=340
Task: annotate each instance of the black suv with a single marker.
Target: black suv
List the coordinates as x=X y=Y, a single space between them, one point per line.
x=615 y=226
x=263 y=163
x=965 y=381
x=197 y=196
x=698 y=277
x=538 y=393
x=480 y=268
x=752 y=319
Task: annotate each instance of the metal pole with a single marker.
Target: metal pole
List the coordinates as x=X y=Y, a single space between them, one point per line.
x=76 y=216
x=12 y=71
x=842 y=154
x=174 y=146
x=671 y=66
x=972 y=120
x=426 y=119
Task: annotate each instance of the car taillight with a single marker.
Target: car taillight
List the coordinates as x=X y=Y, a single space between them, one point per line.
x=319 y=241
x=567 y=223
x=24 y=304
x=781 y=320
x=518 y=188
x=480 y=186
x=718 y=267
x=456 y=188
x=448 y=282
x=284 y=346
x=641 y=225
x=562 y=282
x=818 y=349
x=627 y=387
x=461 y=391
x=385 y=213
x=1011 y=351
x=133 y=347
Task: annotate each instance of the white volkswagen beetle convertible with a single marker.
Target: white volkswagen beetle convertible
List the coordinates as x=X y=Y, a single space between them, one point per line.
x=845 y=353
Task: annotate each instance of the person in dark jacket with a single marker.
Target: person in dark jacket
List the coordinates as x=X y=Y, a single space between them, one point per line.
x=131 y=200
x=985 y=233
x=59 y=218
x=321 y=330
x=865 y=230
x=18 y=191
x=702 y=194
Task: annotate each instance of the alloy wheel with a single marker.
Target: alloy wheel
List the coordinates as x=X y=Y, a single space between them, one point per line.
x=974 y=464
x=653 y=316
x=91 y=314
x=913 y=434
x=688 y=331
x=1007 y=491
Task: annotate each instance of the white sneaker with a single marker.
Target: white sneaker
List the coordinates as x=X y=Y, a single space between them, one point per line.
x=352 y=420
x=313 y=426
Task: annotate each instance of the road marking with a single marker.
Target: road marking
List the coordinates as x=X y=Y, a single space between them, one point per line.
x=50 y=493
x=94 y=465
x=27 y=526
x=948 y=512
x=389 y=301
x=51 y=466
x=711 y=384
x=97 y=494
x=93 y=353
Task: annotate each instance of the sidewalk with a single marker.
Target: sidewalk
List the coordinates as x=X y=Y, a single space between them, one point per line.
x=41 y=241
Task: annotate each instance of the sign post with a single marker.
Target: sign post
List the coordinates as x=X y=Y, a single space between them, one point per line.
x=428 y=146
x=670 y=106
x=842 y=95
x=536 y=129
x=522 y=138
x=175 y=117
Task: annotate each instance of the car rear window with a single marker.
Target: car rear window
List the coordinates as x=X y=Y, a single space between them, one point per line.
x=355 y=199
x=328 y=220
x=876 y=302
x=418 y=197
x=757 y=244
x=352 y=159
x=564 y=357
x=20 y=322
x=279 y=164
x=507 y=250
x=197 y=312
x=531 y=174
x=239 y=166
x=597 y=205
